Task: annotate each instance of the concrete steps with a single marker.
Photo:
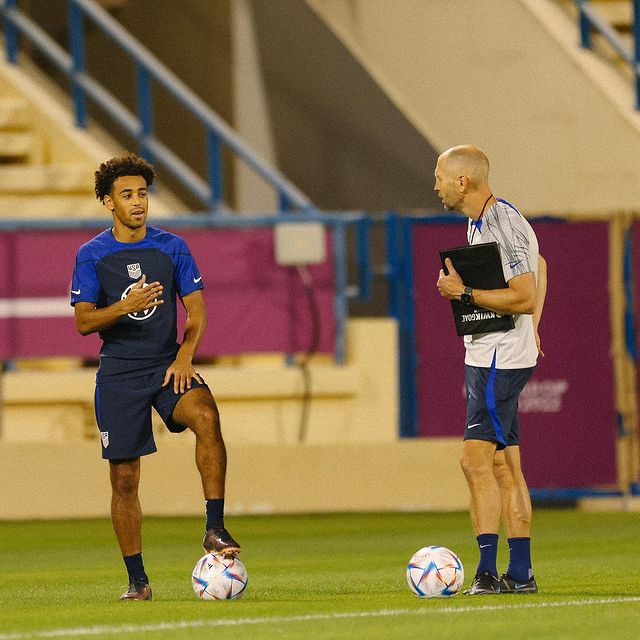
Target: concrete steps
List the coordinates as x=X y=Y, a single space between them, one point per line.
x=30 y=185
x=619 y=14
x=45 y=179
x=13 y=113
x=46 y=163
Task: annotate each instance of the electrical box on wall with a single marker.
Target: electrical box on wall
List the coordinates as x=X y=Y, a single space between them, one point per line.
x=299 y=243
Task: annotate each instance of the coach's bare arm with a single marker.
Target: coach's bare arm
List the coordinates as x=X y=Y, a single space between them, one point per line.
x=89 y=318
x=518 y=297
x=541 y=294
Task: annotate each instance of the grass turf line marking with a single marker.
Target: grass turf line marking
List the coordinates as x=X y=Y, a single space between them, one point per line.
x=238 y=622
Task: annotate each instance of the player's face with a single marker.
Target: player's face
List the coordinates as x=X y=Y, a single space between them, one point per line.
x=447 y=187
x=128 y=201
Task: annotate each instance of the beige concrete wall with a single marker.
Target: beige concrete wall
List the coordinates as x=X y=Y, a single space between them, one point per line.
x=557 y=123
x=68 y=480
x=352 y=459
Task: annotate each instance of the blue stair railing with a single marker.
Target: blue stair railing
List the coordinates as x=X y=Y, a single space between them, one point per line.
x=591 y=20
x=149 y=70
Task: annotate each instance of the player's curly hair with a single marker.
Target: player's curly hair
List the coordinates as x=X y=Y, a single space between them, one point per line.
x=111 y=170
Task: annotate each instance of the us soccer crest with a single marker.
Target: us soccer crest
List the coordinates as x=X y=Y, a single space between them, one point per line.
x=104 y=436
x=134 y=270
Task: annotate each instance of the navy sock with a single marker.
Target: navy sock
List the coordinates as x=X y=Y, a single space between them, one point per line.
x=488 y=545
x=520 y=559
x=135 y=568
x=215 y=513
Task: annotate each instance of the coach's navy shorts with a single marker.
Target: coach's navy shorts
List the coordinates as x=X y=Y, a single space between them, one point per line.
x=492 y=404
x=123 y=412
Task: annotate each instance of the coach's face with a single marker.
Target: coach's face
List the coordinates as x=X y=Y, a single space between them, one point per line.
x=447 y=186
x=128 y=201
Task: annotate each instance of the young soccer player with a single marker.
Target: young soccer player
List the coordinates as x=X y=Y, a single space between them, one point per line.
x=125 y=285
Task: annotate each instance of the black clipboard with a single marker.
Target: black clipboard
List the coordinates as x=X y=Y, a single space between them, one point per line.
x=480 y=267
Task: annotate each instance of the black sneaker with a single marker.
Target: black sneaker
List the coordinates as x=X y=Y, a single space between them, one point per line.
x=219 y=540
x=137 y=591
x=509 y=585
x=484 y=584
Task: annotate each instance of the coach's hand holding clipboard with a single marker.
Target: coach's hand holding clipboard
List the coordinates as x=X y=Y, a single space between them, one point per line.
x=479 y=267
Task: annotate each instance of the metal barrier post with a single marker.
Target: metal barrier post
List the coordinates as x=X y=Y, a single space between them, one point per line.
x=340 y=302
x=214 y=168
x=145 y=109
x=365 y=275
x=585 y=26
x=76 y=46
x=11 y=34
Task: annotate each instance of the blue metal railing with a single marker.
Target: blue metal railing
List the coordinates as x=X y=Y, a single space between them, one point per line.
x=338 y=223
x=590 y=19
x=149 y=70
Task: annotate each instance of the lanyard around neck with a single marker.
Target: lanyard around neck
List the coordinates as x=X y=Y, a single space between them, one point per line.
x=475 y=224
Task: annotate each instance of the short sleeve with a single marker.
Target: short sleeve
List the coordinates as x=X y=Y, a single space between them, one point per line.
x=515 y=249
x=85 y=286
x=187 y=276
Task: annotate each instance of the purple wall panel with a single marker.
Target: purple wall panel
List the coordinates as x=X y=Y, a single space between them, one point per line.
x=253 y=304
x=567 y=410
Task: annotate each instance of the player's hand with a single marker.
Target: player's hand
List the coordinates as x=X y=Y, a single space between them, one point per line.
x=450 y=286
x=183 y=373
x=143 y=296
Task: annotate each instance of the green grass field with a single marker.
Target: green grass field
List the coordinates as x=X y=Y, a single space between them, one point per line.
x=318 y=576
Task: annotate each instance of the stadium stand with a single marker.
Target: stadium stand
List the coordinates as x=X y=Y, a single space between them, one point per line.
x=558 y=96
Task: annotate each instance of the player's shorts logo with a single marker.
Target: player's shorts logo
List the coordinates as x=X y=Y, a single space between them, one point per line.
x=138 y=315
x=104 y=436
x=134 y=270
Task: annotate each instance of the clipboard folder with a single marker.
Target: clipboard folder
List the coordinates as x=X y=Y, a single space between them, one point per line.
x=480 y=267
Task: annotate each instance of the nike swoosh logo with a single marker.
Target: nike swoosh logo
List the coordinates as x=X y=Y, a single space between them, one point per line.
x=471 y=426
x=513 y=265
x=77 y=293
x=484 y=546
x=520 y=586
x=196 y=280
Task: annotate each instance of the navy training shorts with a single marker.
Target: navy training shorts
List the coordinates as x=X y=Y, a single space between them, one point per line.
x=492 y=404
x=123 y=413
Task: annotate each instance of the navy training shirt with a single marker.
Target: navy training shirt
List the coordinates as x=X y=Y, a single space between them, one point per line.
x=104 y=273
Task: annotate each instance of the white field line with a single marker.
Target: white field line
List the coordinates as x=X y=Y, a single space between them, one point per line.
x=35 y=308
x=74 y=632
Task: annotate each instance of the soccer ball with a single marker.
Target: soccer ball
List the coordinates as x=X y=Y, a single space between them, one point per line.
x=435 y=572
x=218 y=578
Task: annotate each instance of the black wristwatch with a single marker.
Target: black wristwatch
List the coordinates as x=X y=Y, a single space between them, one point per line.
x=465 y=298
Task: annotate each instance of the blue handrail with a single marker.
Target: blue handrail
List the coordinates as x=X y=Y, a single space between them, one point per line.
x=148 y=69
x=590 y=19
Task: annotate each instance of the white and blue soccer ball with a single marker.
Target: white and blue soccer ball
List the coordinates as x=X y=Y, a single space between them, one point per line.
x=218 y=578
x=435 y=572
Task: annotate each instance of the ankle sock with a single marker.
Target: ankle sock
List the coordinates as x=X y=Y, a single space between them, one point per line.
x=488 y=545
x=135 y=568
x=215 y=513
x=520 y=559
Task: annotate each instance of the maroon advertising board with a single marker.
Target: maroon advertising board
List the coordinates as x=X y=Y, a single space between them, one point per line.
x=567 y=410
x=253 y=304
